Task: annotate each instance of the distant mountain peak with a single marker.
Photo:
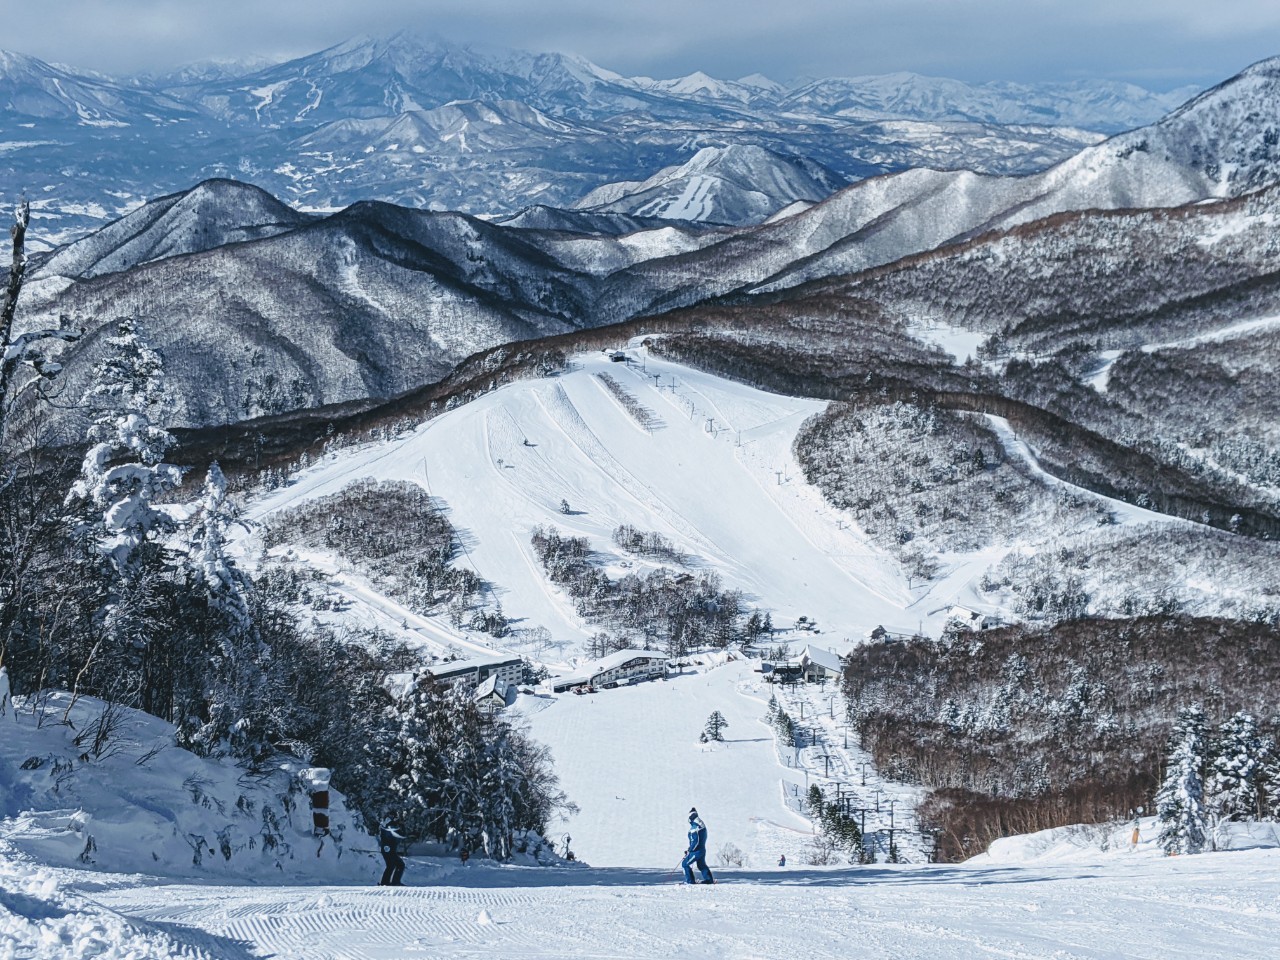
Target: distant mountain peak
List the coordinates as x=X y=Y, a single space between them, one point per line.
x=735 y=184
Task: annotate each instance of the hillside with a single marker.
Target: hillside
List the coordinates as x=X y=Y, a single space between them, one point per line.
x=791 y=546
x=584 y=448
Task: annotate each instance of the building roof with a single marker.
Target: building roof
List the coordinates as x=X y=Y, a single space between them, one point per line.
x=827 y=659
x=452 y=667
x=584 y=673
x=492 y=687
x=620 y=657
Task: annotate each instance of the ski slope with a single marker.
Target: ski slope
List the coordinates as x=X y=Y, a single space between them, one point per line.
x=715 y=474
x=1115 y=908
x=631 y=760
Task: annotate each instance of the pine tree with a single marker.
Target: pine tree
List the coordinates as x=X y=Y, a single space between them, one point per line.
x=1234 y=786
x=120 y=526
x=1180 y=799
x=771 y=714
x=123 y=472
x=785 y=728
x=816 y=803
x=716 y=723
x=212 y=573
x=221 y=664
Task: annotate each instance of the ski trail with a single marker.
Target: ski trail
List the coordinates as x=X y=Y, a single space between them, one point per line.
x=1100 y=378
x=1116 y=908
x=564 y=414
x=1016 y=447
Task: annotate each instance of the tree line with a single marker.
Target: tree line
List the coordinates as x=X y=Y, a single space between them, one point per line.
x=675 y=611
x=1023 y=728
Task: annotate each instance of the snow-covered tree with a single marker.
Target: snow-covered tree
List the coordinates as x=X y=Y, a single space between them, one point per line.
x=217 y=577
x=121 y=530
x=771 y=713
x=123 y=473
x=465 y=777
x=1236 y=773
x=417 y=763
x=30 y=348
x=1180 y=799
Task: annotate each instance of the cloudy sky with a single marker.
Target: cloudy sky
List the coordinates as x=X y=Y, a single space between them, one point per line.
x=1158 y=43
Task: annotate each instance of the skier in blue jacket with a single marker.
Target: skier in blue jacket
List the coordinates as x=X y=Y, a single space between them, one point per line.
x=697 y=853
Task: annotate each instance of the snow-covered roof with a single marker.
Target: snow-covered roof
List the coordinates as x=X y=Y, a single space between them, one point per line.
x=585 y=673
x=452 y=667
x=620 y=657
x=827 y=659
x=492 y=687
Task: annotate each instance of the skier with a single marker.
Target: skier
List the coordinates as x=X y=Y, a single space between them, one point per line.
x=697 y=852
x=389 y=838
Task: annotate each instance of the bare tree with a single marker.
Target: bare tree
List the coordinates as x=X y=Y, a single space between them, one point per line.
x=28 y=348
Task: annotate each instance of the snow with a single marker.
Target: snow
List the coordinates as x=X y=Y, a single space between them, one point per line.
x=1101 y=377
x=39 y=917
x=266 y=95
x=143 y=803
x=718 y=478
x=1185 y=908
x=765 y=530
x=960 y=343
x=692 y=204
x=1100 y=843
x=1122 y=512
x=631 y=760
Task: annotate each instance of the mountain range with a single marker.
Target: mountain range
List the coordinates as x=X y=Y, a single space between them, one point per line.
x=271 y=310
x=424 y=122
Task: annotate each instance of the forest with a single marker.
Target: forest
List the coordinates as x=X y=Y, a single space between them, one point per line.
x=1022 y=728
x=677 y=611
x=401 y=538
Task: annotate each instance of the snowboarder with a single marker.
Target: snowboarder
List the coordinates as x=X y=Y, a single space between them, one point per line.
x=782 y=860
x=389 y=838
x=697 y=852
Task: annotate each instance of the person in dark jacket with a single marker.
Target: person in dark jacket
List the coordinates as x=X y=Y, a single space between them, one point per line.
x=389 y=839
x=697 y=852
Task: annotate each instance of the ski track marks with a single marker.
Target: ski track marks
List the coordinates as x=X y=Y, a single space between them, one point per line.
x=1118 y=907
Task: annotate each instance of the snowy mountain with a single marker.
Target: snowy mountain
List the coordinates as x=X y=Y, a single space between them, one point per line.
x=1093 y=104
x=214 y=213
x=33 y=89
x=737 y=185
x=321 y=132
x=469 y=284
x=1216 y=146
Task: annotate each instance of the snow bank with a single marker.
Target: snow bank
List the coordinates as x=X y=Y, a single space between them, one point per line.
x=1090 y=842
x=138 y=803
x=39 y=918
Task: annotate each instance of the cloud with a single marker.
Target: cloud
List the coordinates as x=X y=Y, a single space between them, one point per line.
x=1159 y=43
